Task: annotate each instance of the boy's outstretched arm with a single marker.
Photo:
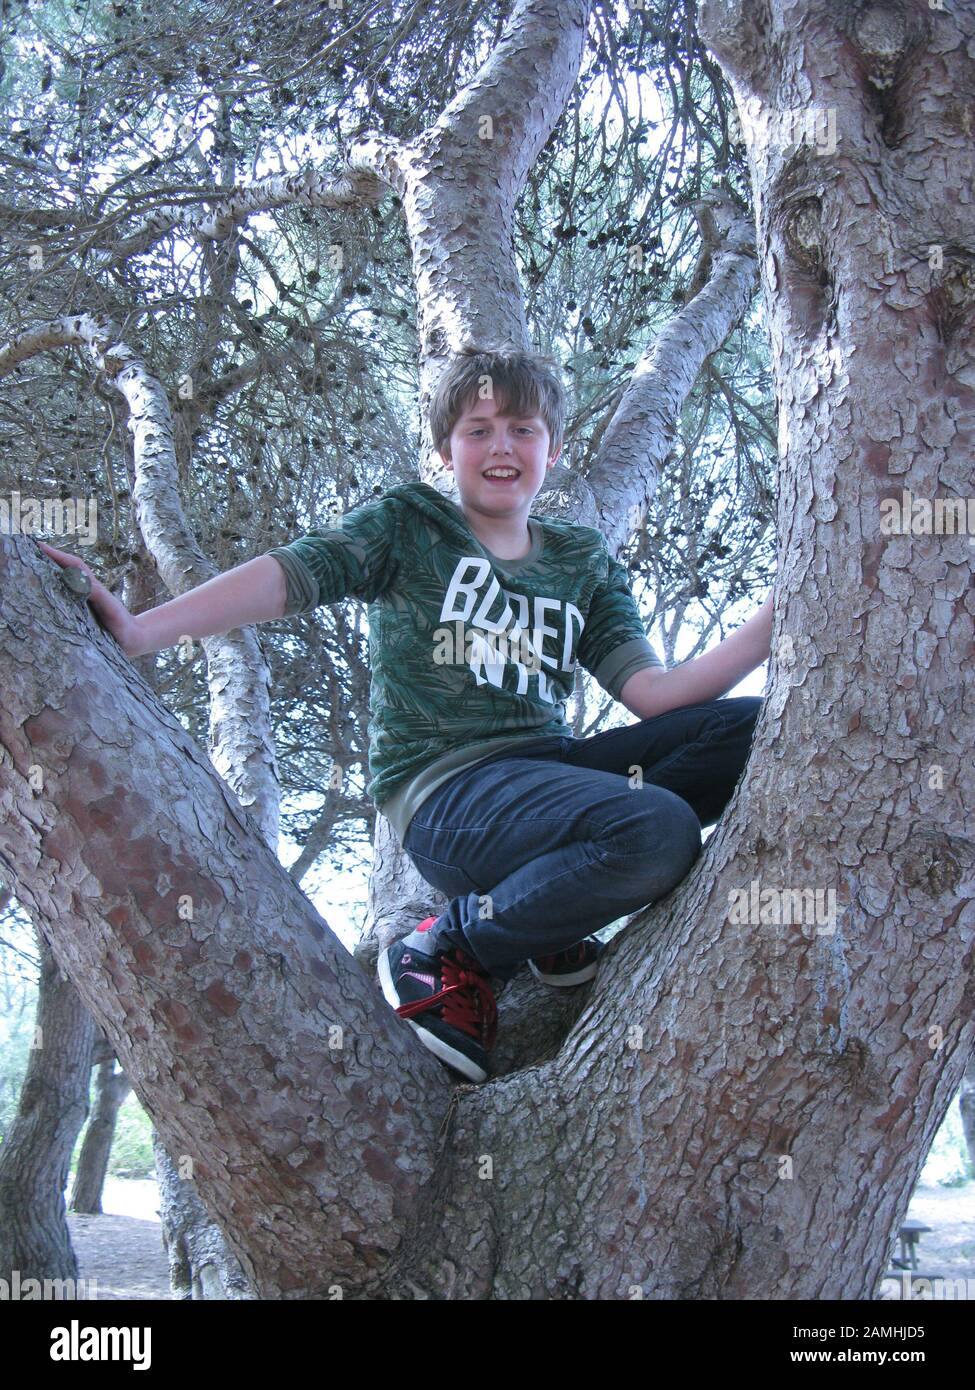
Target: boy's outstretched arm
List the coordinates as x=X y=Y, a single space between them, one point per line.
x=250 y=593
x=709 y=676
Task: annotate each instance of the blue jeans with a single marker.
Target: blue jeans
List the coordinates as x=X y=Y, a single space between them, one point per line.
x=540 y=847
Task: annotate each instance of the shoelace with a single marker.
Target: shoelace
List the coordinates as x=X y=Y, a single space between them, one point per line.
x=467 y=998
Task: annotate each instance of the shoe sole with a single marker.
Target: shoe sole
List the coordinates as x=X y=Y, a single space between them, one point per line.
x=451 y=1056
x=588 y=972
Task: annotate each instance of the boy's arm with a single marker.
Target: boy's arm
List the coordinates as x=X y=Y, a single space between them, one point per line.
x=250 y=593
x=709 y=676
x=356 y=559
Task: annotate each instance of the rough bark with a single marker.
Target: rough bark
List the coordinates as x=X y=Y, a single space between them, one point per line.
x=36 y=1153
x=188 y=1229
x=111 y=1088
x=201 y=1264
x=258 y=1046
x=739 y=1110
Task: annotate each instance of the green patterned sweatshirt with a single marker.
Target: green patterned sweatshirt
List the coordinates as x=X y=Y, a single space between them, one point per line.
x=469 y=653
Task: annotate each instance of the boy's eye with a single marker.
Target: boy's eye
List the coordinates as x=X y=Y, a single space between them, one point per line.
x=526 y=428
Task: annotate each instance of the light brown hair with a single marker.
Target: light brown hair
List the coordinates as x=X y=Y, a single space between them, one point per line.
x=522 y=383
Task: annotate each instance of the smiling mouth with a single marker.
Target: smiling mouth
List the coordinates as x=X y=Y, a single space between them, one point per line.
x=507 y=477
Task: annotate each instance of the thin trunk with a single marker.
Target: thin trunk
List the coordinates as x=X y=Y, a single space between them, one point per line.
x=36 y=1153
x=966 y=1104
x=111 y=1088
x=241 y=738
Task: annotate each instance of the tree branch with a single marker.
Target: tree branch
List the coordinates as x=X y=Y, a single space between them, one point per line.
x=256 y=1043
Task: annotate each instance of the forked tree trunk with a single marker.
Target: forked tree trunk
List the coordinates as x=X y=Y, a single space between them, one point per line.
x=36 y=1153
x=742 y=1106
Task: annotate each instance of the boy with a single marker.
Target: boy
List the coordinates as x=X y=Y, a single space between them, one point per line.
x=478 y=614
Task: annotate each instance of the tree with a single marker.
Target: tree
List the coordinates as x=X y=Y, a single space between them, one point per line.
x=334 y=1152
x=111 y=1088
x=36 y=1154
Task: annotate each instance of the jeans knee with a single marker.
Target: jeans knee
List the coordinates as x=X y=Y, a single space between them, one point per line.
x=685 y=829
x=658 y=827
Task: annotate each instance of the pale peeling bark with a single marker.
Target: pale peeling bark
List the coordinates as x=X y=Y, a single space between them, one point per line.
x=460 y=179
x=241 y=737
x=311 y=187
x=257 y=1045
x=641 y=433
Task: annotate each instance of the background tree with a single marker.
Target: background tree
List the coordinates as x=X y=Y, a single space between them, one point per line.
x=37 y=1148
x=111 y=1088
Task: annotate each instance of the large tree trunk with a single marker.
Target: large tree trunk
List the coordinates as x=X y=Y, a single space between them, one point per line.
x=111 y=1088
x=36 y=1153
x=260 y=1049
x=741 y=1106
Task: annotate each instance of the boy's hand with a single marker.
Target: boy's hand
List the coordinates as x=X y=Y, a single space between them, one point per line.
x=113 y=615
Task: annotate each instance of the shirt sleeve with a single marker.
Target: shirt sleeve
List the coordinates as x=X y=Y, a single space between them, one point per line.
x=613 y=645
x=357 y=559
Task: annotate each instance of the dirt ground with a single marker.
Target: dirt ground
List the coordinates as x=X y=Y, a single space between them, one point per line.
x=122 y=1254
x=123 y=1250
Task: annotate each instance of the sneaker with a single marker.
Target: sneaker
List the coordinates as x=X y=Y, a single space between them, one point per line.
x=573 y=966
x=451 y=995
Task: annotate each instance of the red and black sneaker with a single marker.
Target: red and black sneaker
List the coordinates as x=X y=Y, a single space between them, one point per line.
x=447 y=999
x=573 y=966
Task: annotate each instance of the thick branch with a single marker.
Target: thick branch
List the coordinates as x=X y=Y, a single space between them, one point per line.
x=643 y=428
x=735 y=31
x=257 y=1044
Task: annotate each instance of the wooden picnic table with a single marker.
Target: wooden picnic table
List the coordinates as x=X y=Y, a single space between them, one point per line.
x=909 y=1235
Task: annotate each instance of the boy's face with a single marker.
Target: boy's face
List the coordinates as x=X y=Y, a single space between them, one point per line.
x=484 y=439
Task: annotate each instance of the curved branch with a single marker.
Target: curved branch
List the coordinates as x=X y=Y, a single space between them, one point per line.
x=311 y=187
x=261 y=1050
x=644 y=424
